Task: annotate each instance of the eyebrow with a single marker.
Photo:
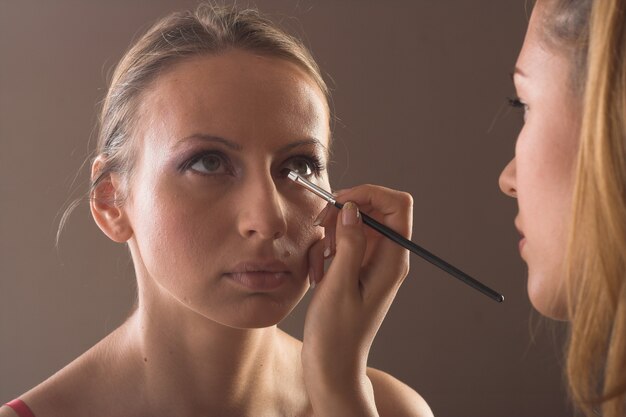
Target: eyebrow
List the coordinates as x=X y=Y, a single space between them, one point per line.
x=210 y=138
x=304 y=142
x=237 y=147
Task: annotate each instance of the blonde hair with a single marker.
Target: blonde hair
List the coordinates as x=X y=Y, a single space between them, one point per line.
x=596 y=360
x=596 y=255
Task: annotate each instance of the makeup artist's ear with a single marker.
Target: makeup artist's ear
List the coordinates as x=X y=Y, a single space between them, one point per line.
x=106 y=209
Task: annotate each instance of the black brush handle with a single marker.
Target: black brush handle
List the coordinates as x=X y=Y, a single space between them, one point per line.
x=433 y=259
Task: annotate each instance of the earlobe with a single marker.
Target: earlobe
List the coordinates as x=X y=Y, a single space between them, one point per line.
x=105 y=204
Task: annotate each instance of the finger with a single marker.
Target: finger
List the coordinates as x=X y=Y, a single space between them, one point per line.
x=384 y=275
x=320 y=217
x=343 y=272
x=330 y=224
x=393 y=208
x=390 y=207
x=316 y=261
x=387 y=263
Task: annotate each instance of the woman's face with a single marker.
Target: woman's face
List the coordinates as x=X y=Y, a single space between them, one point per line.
x=217 y=227
x=541 y=175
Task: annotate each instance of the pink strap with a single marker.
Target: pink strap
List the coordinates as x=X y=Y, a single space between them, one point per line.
x=20 y=408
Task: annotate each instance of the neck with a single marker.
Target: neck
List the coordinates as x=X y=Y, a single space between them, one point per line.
x=192 y=365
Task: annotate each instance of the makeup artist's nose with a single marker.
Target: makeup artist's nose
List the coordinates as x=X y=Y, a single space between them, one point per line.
x=262 y=213
x=507 y=179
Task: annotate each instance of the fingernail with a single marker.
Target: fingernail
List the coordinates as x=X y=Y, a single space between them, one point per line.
x=327 y=252
x=320 y=217
x=350 y=214
x=312 y=278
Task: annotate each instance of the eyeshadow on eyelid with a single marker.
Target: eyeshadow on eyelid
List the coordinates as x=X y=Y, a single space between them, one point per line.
x=183 y=151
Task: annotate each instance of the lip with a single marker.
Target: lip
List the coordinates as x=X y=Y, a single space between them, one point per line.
x=522 y=241
x=260 y=275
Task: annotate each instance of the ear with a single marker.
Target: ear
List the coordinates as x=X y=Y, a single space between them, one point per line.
x=105 y=204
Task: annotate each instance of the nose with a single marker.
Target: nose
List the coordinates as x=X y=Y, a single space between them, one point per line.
x=261 y=211
x=507 y=179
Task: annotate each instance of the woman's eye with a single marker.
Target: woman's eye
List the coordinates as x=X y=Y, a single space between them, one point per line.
x=209 y=163
x=516 y=103
x=303 y=166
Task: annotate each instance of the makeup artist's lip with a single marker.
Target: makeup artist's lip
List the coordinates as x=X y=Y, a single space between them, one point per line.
x=522 y=241
x=260 y=275
x=521 y=244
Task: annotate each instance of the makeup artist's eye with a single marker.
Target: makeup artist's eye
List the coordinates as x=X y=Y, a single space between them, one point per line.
x=208 y=163
x=517 y=103
x=305 y=165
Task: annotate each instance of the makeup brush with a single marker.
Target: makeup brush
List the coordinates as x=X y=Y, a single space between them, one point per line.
x=401 y=240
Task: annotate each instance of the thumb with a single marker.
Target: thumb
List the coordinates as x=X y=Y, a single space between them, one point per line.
x=350 y=249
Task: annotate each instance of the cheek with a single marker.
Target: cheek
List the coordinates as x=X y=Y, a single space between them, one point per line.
x=301 y=213
x=176 y=230
x=545 y=185
x=544 y=170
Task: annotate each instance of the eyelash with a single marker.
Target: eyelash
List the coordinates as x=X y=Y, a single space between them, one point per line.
x=197 y=157
x=515 y=102
x=314 y=162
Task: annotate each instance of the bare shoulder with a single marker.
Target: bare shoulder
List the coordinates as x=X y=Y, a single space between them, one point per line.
x=70 y=390
x=6 y=411
x=51 y=397
x=38 y=398
x=395 y=398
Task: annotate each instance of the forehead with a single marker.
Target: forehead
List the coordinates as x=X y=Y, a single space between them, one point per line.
x=533 y=49
x=539 y=55
x=237 y=95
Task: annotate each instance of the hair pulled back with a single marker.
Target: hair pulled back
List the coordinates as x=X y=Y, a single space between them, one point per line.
x=593 y=34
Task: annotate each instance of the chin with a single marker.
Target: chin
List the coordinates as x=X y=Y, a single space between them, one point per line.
x=259 y=311
x=548 y=300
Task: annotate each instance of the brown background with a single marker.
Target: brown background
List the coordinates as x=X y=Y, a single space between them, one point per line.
x=419 y=92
